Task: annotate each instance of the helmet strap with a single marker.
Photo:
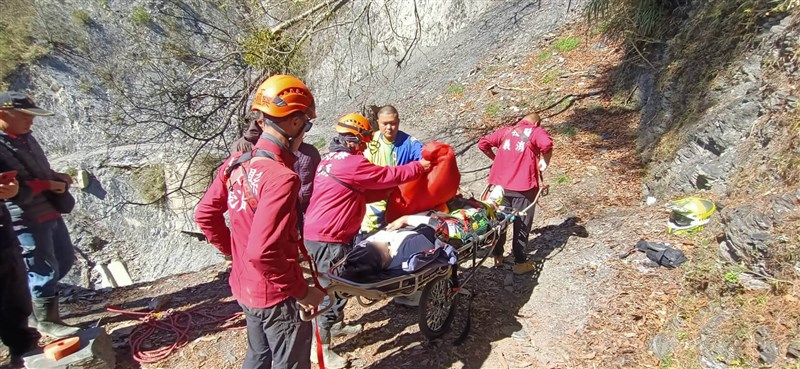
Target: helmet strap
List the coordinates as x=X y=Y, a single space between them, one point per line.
x=267 y=136
x=281 y=131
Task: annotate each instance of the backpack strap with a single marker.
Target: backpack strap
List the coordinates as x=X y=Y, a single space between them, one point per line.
x=339 y=181
x=243 y=162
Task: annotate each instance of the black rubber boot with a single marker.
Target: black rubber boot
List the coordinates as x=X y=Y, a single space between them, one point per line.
x=45 y=311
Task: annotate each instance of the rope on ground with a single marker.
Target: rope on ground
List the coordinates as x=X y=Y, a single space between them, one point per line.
x=177 y=323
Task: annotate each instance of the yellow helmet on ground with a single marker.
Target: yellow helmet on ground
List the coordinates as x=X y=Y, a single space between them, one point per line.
x=689 y=214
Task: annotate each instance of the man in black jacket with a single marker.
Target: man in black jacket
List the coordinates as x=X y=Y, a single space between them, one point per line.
x=36 y=211
x=15 y=306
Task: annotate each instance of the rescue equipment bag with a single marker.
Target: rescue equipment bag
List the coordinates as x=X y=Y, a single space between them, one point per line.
x=430 y=191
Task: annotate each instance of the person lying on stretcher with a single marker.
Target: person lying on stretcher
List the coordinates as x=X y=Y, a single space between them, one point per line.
x=407 y=244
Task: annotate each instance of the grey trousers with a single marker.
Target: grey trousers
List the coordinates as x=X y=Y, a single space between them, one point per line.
x=277 y=338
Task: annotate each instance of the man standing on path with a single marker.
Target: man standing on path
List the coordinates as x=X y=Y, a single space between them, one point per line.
x=35 y=212
x=306 y=166
x=389 y=146
x=344 y=183
x=523 y=150
x=260 y=195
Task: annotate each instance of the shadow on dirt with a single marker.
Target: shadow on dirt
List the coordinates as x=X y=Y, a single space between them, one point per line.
x=495 y=311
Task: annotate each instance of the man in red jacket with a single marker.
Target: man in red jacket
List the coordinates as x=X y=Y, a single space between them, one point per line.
x=523 y=150
x=260 y=196
x=345 y=182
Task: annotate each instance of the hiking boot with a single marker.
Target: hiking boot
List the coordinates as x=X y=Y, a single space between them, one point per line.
x=524 y=267
x=45 y=311
x=340 y=329
x=499 y=260
x=332 y=359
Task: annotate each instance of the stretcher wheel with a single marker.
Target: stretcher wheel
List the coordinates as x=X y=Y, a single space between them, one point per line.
x=437 y=307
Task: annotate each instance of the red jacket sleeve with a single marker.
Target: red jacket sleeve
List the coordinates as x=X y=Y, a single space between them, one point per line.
x=541 y=140
x=368 y=176
x=210 y=215
x=274 y=236
x=490 y=141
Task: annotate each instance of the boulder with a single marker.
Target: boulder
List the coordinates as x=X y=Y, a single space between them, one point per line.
x=767 y=348
x=663 y=344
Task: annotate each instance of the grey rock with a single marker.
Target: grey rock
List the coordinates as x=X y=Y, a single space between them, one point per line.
x=717 y=349
x=793 y=350
x=753 y=283
x=96 y=352
x=727 y=253
x=663 y=344
x=767 y=348
x=746 y=232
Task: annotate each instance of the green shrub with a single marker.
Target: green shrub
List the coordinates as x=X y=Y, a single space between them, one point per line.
x=140 y=16
x=150 y=183
x=568 y=131
x=563 y=179
x=567 y=44
x=18 y=45
x=273 y=53
x=492 y=110
x=81 y=17
x=320 y=143
x=455 y=89
x=549 y=77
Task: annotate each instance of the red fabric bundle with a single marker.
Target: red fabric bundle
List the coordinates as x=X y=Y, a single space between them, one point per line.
x=432 y=190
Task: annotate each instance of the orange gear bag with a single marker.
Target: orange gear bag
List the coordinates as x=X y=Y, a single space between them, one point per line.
x=431 y=191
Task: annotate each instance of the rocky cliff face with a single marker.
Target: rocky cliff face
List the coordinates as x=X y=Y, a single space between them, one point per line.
x=114 y=77
x=734 y=141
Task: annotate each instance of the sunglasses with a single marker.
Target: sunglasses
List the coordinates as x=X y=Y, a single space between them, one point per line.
x=308 y=123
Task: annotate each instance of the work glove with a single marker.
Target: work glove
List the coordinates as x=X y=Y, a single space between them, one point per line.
x=542 y=165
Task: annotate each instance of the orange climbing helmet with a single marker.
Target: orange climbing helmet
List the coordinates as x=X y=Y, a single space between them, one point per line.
x=357 y=125
x=281 y=95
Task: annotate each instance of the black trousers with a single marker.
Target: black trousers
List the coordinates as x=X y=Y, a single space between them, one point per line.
x=326 y=254
x=522 y=225
x=277 y=337
x=15 y=302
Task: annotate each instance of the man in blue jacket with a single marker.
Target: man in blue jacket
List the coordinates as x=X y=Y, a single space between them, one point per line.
x=389 y=147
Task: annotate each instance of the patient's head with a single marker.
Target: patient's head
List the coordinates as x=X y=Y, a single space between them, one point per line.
x=367 y=260
x=381 y=250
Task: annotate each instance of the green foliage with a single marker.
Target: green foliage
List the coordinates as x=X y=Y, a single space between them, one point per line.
x=81 y=18
x=140 y=16
x=666 y=362
x=568 y=131
x=563 y=179
x=731 y=277
x=320 y=143
x=492 y=109
x=626 y=18
x=549 y=77
x=567 y=44
x=543 y=56
x=272 y=53
x=150 y=183
x=455 y=89
x=18 y=45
